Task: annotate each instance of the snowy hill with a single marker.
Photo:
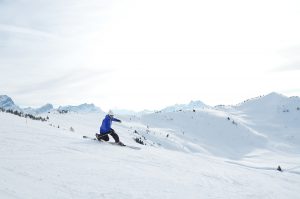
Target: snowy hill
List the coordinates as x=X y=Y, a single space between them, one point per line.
x=41 y=160
x=274 y=115
x=208 y=130
x=270 y=104
x=204 y=152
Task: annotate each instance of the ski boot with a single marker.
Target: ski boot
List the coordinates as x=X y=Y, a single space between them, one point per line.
x=120 y=143
x=98 y=137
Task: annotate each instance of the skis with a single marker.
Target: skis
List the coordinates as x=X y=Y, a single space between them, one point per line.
x=113 y=143
x=87 y=137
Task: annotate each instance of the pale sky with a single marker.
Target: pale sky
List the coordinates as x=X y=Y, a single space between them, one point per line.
x=141 y=54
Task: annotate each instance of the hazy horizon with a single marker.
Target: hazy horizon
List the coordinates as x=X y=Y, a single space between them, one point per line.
x=144 y=109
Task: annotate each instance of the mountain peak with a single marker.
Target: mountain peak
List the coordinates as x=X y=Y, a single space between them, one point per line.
x=274 y=95
x=196 y=104
x=7 y=103
x=46 y=108
x=190 y=106
x=82 y=108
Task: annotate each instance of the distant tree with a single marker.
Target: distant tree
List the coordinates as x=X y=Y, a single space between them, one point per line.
x=71 y=129
x=139 y=140
x=9 y=111
x=147 y=131
x=63 y=111
x=279 y=168
x=17 y=113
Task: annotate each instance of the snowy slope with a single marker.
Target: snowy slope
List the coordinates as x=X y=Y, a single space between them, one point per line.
x=274 y=115
x=269 y=106
x=208 y=130
x=206 y=152
x=43 y=161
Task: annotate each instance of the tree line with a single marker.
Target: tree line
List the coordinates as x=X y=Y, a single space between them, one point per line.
x=25 y=115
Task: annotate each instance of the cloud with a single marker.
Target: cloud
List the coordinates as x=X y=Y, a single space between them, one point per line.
x=291 y=67
x=75 y=77
x=60 y=50
x=291 y=92
x=24 y=30
x=291 y=55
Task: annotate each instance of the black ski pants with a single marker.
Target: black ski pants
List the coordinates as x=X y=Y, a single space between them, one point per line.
x=112 y=133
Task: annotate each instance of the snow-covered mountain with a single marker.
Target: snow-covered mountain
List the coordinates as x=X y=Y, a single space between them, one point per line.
x=193 y=105
x=7 y=103
x=274 y=115
x=44 y=109
x=36 y=111
x=271 y=103
x=82 y=108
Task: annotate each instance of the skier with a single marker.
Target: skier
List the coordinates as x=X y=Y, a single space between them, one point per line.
x=106 y=129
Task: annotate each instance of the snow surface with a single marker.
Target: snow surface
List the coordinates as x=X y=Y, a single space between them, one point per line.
x=221 y=152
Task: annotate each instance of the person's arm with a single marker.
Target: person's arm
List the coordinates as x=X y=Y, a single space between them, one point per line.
x=116 y=120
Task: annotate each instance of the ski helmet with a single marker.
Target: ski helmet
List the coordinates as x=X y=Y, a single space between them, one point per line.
x=110 y=113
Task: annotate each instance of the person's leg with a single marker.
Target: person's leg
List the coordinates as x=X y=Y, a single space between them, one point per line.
x=105 y=138
x=102 y=137
x=115 y=136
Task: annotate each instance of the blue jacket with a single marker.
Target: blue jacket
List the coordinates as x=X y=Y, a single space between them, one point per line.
x=106 y=124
